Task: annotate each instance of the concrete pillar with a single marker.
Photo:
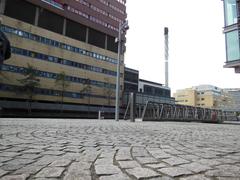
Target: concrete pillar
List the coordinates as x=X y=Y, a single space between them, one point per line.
x=132 y=107
x=2 y=6
x=36 y=16
x=64 y=26
x=87 y=32
x=106 y=41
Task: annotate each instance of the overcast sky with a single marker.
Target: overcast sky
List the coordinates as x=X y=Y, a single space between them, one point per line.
x=196 y=42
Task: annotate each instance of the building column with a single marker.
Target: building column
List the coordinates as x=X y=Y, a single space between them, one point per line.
x=36 y=16
x=87 y=33
x=64 y=26
x=2 y=6
x=106 y=41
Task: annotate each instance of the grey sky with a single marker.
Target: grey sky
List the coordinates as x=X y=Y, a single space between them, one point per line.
x=196 y=42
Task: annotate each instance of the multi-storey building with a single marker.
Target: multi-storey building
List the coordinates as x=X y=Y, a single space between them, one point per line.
x=232 y=100
x=185 y=97
x=232 y=33
x=76 y=37
x=144 y=90
x=209 y=96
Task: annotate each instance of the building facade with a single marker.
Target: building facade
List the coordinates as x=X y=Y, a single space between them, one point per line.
x=232 y=100
x=144 y=90
x=131 y=79
x=74 y=37
x=232 y=34
x=208 y=96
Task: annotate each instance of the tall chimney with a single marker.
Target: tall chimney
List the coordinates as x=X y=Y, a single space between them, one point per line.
x=166 y=55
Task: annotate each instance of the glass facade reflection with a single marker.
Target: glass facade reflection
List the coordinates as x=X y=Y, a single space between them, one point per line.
x=233 y=49
x=230 y=7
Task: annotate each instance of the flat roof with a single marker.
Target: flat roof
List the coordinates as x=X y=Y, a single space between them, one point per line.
x=150 y=82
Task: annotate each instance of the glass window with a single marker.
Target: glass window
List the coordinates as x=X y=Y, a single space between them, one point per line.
x=230 y=7
x=233 y=49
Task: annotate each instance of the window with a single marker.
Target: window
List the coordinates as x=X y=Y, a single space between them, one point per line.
x=50 y=21
x=233 y=52
x=230 y=8
x=76 y=30
x=24 y=12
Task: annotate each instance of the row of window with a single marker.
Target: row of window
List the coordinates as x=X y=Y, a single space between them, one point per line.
x=58 y=60
x=57 y=44
x=91 y=18
x=51 y=92
x=22 y=70
x=113 y=7
x=53 y=3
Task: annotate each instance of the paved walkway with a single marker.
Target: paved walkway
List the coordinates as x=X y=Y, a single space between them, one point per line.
x=108 y=150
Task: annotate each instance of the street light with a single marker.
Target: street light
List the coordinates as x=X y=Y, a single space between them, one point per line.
x=123 y=27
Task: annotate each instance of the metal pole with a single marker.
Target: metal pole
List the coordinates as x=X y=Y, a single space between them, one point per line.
x=118 y=75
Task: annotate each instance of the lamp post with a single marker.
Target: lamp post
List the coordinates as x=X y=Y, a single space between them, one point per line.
x=123 y=27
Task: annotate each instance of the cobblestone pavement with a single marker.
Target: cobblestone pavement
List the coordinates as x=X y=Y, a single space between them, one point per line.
x=108 y=150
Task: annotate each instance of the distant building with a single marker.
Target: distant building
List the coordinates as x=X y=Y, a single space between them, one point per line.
x=209 y=96
x=144 y=90
x=232 y=33
x=153 y=88
x=233 y=99
x=185 y=97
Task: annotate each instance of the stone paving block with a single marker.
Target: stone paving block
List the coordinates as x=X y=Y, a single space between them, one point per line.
x=209 y=162
x=61 y=163
x=30 y=169
x=174 y=152
x=71 y=156
x=175 y=171
x=3 y=148
x=20 y=161
x=78 y=174
x=162 y=178
x=87 y=157
x=106 y=169
x=115 y=177
x=4 y=159
x=142 y=173
x=50 y=172
x=189 y=157
x=225 y=171
x=122 y=156
x=161 y=155
x=32 y=151
x=9 y=154
x=30 y=156
x=11 y=167
x=15 y=177
x=56 y=153
x=139 y=152
x=146 y=160
x=45 y=160
x=195 y=177
x=2 y=172
x=79 y=166
x=104 y=161
x=196 y=167
x=175 y=161
x=226 y=178
x=157 y=165
x=228 y=161
x=128 y=164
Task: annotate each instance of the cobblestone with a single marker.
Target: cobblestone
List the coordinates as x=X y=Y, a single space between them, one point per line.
x=70 y=149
